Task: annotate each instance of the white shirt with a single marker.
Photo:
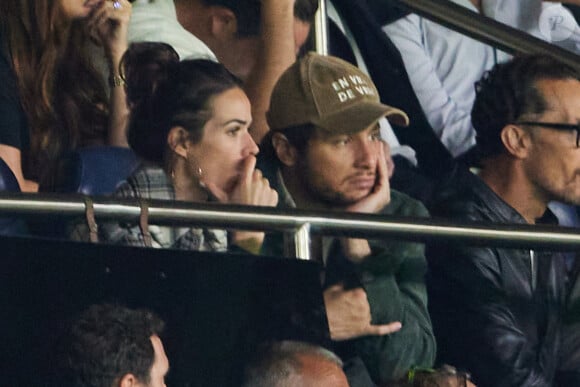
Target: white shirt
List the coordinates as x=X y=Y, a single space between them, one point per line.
x=443 y=65
x=156 y=21
x=545 y=20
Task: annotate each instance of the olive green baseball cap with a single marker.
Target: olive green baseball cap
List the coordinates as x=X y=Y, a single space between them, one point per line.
x=329 y=93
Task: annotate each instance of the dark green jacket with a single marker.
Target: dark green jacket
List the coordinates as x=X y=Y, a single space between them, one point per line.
x=393 y=278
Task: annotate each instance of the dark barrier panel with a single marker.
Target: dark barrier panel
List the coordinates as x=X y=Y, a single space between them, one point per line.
x=216 y=306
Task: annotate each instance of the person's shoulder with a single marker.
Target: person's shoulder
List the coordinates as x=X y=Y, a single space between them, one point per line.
x=402 y=204
x=156 y=21
x=147 y=181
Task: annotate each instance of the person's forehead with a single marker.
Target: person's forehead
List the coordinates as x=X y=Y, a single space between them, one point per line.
x=561 y=95
x=319 y=371
x=323 y=134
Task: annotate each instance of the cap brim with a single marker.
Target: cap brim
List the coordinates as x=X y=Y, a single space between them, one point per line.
x=360 y=116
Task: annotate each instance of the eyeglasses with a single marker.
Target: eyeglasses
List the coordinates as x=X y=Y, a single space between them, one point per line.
x=556 y=126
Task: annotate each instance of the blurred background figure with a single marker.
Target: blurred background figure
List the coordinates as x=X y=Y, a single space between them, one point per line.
x=256 y=40
x=445 y=376
x=53 y=98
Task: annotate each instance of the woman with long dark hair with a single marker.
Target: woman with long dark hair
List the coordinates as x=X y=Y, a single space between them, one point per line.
x=53 y=98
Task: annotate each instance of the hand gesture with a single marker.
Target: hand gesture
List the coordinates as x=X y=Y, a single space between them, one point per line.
x=380 y=195
x=108 y=25
x=389 y=159
x=349 y=314
x=251 y=189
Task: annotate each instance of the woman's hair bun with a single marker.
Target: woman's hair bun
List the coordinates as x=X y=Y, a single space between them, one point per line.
x=144 y=67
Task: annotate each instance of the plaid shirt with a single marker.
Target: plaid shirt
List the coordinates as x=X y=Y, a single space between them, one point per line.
x=151 y=182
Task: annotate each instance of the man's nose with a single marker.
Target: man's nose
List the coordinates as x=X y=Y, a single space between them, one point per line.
x=366 y=154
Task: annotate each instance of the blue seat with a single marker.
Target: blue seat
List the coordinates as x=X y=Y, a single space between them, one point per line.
x=93 y=171
x=8 y=183
x=96 y=170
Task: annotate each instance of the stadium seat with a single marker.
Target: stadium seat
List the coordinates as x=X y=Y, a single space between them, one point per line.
x=94 y=170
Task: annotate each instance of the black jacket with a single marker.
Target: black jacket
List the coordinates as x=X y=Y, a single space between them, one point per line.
x=487 y=315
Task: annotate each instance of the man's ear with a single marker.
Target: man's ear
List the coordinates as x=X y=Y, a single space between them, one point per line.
x=224 y=24
x=128 y=380
x=285 y=151
x=177 y=140
x=516 y=140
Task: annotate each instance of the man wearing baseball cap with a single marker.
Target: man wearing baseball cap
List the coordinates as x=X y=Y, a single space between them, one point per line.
x=324 y=152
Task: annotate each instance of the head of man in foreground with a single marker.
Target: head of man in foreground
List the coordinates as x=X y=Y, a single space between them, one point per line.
x=295 y=364
x=113 y=346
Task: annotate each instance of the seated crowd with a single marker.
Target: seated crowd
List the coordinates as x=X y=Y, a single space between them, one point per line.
x=194 y=108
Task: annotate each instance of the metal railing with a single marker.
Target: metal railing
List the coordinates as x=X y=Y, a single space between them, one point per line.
x=297 y=225
x=469 y=23
x=488 y=30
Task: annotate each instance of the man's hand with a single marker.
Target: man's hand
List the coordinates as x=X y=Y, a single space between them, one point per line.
x=380 y=195
x=389 y=159
x=349 y=314
x=358 y=249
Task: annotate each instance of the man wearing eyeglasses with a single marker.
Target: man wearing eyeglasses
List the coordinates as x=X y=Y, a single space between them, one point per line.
x=498 y=312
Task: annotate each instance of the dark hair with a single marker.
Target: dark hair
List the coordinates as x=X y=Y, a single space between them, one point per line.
x=61 y=91
x=248 y=13
x=105 y=343
x=298 y=137
x=164 y=92
x=276 y=362
x=509 y=91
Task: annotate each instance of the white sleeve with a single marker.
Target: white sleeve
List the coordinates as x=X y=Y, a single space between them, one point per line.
x=156 y=21
x=546 y=20
x=451 y=124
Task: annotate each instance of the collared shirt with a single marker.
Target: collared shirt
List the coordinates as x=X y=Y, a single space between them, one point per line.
x=443 y=66
x=156 y=21
x=151 y=182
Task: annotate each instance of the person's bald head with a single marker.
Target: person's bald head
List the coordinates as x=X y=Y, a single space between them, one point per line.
x=295 y=364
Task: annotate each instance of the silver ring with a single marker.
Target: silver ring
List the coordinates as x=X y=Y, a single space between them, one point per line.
x=117 y=5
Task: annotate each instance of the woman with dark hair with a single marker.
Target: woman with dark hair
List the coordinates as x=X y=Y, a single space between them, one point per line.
x=53 y=99
x=189 y=123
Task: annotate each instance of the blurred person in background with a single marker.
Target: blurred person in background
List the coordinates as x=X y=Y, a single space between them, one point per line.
x=256 y=40
x=53 y=98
